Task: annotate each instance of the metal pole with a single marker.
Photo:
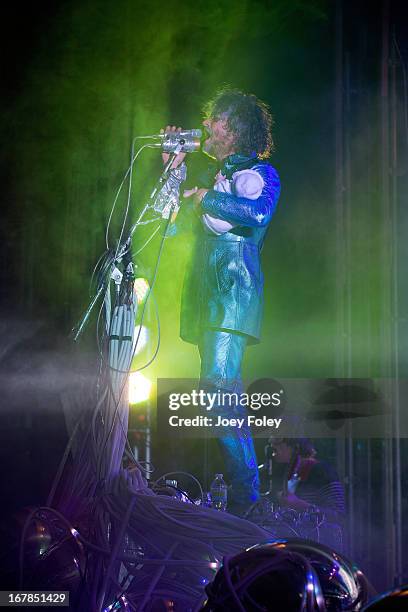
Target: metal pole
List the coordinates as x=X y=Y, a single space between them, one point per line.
x=388 y=446
x=339 y=189
x=340 y=365
x=347 y=299
x=395 y=327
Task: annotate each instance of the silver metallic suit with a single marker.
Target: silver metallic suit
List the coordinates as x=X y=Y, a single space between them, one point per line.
x=222 y=300
x=224 y=283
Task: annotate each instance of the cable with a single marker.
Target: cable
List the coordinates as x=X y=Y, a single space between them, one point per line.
x=104 y=254
x=115 y=550
x=150 y=292
x=147 y=241
x=129 y=170
x=126 y=372
x=129 y=370
x=132 y=160
x=175 y=522
x=138 y=222
x=178 y=490
x=184 y=474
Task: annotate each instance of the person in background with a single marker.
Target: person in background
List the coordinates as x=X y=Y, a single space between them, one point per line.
x=308 y=482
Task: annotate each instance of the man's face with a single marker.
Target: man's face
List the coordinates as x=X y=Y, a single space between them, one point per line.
x=220 y=141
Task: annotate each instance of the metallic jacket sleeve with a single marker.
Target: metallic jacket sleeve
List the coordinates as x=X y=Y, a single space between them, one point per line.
x=168 y=198
x=243 y=211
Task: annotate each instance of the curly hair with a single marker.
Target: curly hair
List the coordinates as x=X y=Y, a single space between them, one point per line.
x=248 y=118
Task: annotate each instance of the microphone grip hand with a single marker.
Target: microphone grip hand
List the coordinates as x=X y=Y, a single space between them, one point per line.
x=165 y=156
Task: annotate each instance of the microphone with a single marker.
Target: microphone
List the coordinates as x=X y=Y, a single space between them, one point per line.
x=185 y=141
x=186 y=133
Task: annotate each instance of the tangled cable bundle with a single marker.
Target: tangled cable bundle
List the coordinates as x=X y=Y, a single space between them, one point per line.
x=115 y=541
x=139 y=550
x=181 y=545
x=104 y=535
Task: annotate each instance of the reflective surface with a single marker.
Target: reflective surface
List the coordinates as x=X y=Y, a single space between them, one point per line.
x=343 y=585
x=290 y=575
x=397 y=600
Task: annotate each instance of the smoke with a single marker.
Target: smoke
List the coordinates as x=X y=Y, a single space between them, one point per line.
x=37 y=366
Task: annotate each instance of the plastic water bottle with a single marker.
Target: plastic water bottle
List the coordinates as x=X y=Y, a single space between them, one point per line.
x=219 y=493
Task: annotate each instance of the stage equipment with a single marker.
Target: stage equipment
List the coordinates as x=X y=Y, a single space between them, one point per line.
x=291 y=575
x=52 y=554
x=141 y=288
x=282 y=522
x=115 y=264
x=188 y=140
x=141 y=334
x=343 y=584
x=139 y=388
x=142 y=550
x=265 y=578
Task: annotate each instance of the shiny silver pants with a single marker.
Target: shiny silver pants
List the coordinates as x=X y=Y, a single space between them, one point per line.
x=221 y=357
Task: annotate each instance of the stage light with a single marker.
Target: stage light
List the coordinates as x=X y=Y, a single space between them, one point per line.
x=139 y=388
x=140 y=338
x=141 y=288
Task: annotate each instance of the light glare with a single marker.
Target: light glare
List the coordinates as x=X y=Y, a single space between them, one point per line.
x=139 y=388
x=141 y=288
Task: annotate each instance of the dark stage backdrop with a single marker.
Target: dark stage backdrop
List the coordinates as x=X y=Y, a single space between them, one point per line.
x=80 y=79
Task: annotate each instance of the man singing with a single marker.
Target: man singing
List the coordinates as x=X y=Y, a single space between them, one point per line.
x=223 y=291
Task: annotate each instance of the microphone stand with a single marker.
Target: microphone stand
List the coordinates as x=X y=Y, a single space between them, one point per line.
x=124 y=248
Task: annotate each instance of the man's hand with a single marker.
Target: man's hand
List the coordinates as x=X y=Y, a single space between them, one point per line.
x=165 y=156
x=197 y=195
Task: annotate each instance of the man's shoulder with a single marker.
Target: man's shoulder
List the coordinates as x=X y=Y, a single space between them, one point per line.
x=265 y=166
x=270 y=177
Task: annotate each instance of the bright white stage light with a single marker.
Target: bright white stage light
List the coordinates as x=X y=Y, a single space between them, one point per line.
x=141 y=338
x=139 y=388
x=141 y=289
